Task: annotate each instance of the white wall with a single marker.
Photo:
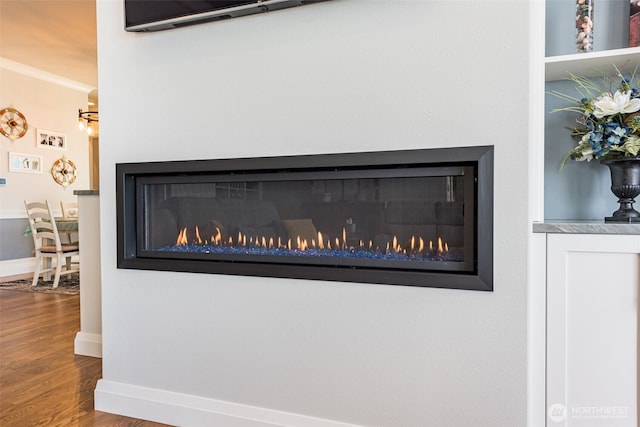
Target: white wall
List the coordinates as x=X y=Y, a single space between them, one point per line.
x=340 y=76
x=48 y=102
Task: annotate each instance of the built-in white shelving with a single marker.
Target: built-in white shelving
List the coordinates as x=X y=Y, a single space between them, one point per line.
x=592 y=64
x=579 y=366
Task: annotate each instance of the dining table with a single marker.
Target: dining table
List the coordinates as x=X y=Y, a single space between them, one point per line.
x=64 y=224
x=67 y=224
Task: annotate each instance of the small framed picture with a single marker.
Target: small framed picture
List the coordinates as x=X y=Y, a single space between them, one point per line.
x=49 y=139
x=26 y=163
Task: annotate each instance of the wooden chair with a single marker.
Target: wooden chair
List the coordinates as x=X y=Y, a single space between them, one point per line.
x=70 y=211
x=47 y=244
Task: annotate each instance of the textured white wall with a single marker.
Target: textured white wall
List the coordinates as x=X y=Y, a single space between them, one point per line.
x=340 y=76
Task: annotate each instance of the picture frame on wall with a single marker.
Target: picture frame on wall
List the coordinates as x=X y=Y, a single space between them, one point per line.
x=51 y=140
x=25 y=163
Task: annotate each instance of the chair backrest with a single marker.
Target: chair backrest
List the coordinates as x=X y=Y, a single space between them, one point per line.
x=69 y=209
x=43 y=225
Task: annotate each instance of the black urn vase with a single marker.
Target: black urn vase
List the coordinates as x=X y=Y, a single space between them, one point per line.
x=625 y=184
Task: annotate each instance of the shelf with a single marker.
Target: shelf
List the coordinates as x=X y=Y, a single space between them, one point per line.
x=586 y=227
x=592 y=64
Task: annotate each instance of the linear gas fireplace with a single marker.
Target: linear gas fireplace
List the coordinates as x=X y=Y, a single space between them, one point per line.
x=416 y=217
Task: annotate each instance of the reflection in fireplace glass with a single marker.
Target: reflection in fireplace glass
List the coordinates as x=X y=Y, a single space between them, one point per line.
x=406 y=218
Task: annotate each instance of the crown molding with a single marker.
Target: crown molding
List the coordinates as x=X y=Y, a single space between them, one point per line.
x=26 y=70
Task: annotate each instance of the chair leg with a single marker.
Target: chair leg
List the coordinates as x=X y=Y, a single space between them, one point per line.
x=47 y=268
x=36 y=273
x=59 y=261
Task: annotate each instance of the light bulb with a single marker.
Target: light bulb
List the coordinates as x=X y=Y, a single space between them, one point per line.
x=89 y=131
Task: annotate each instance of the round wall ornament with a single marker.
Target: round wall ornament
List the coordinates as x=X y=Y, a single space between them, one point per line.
x=13 y=124
x=64 y=172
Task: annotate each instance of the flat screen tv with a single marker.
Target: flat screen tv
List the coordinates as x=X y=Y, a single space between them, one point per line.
x=156 y=15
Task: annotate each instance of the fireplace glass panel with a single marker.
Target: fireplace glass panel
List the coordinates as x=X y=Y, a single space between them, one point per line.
x=400 y=218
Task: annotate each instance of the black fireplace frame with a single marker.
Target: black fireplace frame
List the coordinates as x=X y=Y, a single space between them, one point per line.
x=481 y=158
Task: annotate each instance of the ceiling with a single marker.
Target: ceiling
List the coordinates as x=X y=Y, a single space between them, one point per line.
x=56 y=36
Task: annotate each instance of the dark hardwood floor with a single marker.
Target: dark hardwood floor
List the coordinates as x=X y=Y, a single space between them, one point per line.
x=42 y=381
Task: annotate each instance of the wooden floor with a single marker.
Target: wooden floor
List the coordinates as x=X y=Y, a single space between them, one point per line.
x=42 y=382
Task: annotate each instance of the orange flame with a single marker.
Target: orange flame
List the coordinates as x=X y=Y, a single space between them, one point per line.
x=182 y=237
x=217 y=238
x=416 y=245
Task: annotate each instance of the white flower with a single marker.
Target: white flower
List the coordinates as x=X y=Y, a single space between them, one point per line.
x=586 y=153
x=620 y=102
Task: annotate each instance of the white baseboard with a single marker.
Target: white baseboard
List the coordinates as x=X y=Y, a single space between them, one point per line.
x=13 y=267
x=88 y=344
x=192 y=411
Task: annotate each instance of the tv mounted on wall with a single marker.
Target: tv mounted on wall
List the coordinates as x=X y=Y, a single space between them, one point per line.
x=156 y=15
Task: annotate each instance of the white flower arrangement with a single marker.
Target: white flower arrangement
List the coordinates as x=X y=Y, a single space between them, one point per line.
x=609 y=122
